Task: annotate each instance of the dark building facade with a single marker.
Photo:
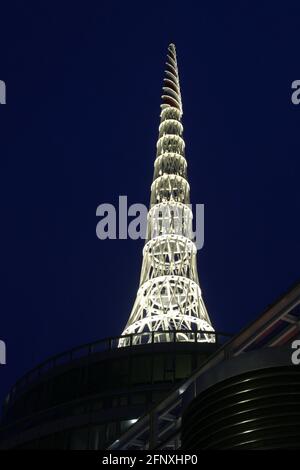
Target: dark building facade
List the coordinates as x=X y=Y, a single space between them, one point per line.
x=87 y=397
x=246 y=395
x=243 y=393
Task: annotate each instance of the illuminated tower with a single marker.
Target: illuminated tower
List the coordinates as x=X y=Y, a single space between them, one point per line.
x=169 y=297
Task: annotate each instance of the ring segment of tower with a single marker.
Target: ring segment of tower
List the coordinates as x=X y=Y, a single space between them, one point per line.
x=169 y=296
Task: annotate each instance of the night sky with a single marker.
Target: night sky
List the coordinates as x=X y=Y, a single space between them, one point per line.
x=79 y=129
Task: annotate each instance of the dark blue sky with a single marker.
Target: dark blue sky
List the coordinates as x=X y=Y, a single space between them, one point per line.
x=80 y=127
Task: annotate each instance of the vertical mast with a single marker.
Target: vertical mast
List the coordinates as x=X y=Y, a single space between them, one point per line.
x=169 y=297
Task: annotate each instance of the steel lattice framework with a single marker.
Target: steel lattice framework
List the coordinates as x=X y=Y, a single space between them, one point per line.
x=169 y=297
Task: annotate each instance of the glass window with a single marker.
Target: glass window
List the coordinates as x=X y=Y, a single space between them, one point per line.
x=183 y=366
x=138 y=399
x=66 y=386
x=97 y=437
x=158 y=368
x=124 y=400
x=79 y=410
x=97 y=372
x=79 y=439
x=59 y=441
x=119 y=372
x=120 y=400
x=33 y=445
x=163 y=368
x=115 y=401
x=157 y=396
x=141 y=369
x=46 y=442
x=97 y=405
x=111 y=431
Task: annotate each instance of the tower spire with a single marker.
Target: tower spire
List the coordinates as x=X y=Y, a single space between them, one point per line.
x=171 y=86
x=169 y=298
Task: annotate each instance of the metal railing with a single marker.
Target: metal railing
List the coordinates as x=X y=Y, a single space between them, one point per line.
x=108 y=344
x=160 y=427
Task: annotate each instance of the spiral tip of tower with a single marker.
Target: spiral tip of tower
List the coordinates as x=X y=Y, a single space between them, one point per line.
x=171 y=96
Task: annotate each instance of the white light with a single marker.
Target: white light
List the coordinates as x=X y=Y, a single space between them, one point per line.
x=169 y=296
x=132 y=421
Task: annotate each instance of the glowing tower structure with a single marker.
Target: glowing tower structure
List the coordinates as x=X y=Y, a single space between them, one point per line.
x=169 y=298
